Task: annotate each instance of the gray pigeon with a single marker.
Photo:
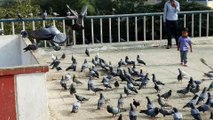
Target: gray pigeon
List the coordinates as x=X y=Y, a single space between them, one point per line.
x=140 y=61
x=177 y=115
x=80 y=16
x=75 y=80
x=72 y=88
x=165 y=112
x=120 y=101
x=63 y=83
x=203 y=95
x=84 y=65
x=184 y=91
x=101 y=101
x=81 y=98
x=132 y=113
x=167 y=94
x=192 y=101
x=162 y=103
x=151 y=112
x=149 y=105
x=75 y=107
x=128 y=92
x=113 y=110
x=89 y=83
x=195 y=113
x=210 y=86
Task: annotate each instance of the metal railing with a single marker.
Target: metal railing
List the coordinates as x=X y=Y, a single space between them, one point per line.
x=119 y=28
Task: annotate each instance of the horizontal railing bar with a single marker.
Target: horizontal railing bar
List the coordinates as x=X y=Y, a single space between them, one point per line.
x=102 y=16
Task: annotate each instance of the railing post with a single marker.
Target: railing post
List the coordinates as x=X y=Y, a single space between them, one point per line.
x=200 y=21
x=13 y=28
x=144 y=28
x=33 y=24
x=73 y=33
x=161 y=17
x=207 y=25
x=23 y=25
x=184 y=20
x=92 y=31
x=153 y=27
x=119 y=29
x=83 y=33
x=127 y=29
x=101 y=30
x=64 y=30
x=2 y=26
x=192 y=33
x=136 y=28
x=45 y=42
x=54 y=23
x=110 y=30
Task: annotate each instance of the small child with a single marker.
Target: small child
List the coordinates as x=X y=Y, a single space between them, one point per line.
x=184 y=44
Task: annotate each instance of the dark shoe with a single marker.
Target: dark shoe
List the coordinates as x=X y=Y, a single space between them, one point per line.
x=168 y=47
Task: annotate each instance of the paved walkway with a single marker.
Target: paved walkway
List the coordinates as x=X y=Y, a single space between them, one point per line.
x=164 y=63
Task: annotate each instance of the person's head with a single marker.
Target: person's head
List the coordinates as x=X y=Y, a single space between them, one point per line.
x=185 y=32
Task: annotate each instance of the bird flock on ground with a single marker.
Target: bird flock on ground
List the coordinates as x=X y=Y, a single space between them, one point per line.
x=133 y=80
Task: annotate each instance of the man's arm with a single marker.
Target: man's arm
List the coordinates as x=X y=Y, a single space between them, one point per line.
x=164 y=12
x=177 y=7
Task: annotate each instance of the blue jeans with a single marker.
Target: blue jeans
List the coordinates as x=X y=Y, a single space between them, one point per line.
x=183 y=56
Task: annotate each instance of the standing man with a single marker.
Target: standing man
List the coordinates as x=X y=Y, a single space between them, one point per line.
x=170 y=18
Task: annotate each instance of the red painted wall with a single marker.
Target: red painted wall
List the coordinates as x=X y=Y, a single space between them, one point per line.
x=7 y=98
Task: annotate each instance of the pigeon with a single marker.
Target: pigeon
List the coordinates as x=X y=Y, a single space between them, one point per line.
x=120 y=102
x=177 y=115
x=84 y=65
x=205 y=107
x=129 y=62
x=162 y=103
x=158 y=82
x=120 y=117
x=67 y=77
x=140 y=61
x=167 y=94
x=192 y=101
x=55 y=63
x=157 y=88
x=63 y=83
x=53 y=57
x=72 y=66
x=107 y=85
x=184 y=91
x=180 y=75
x=80 y=16
x=32 y=47
x=101 y=101
x=165 y=112
x=149 y=105
x=210 y=86
x=195 y=113
x=210 y=100
x=96 y=89
x=90 y=83
x=87 y=52
x=94 y=62
x=75 y=107
x=63 y=56
x=95 y=70
x=195 y=90
x=55 y=14
x=136 y=103
x=144 y=81
x=151 y=112
x=121 y=62
x=202 y=96
x=19 y=15
x=113 y=110
x=128 y=92
x=131 y=87
x=209 y=75
x=75 y=80
x=184 y=74
x=44 y=15
x=93 y=73
x=116 y=84
x=81 y=98
x=72 y=88
x=30 y=14
x=132 y=113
